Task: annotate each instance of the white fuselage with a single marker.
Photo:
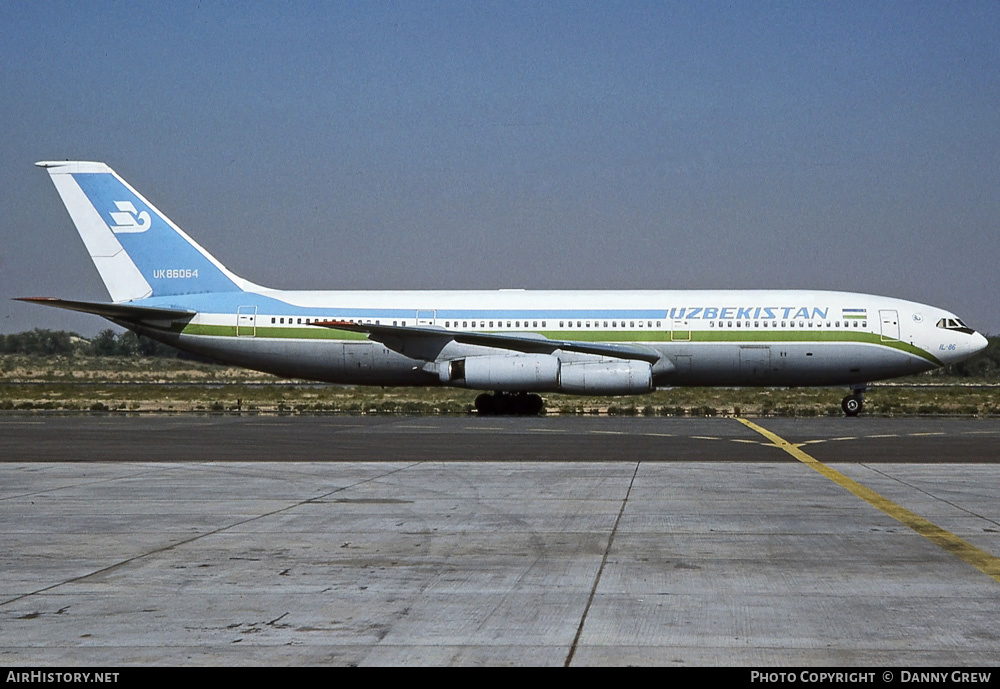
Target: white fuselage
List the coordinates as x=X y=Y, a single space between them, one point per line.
x=713 y=337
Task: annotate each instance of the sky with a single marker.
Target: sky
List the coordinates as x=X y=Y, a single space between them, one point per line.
x=542 y=145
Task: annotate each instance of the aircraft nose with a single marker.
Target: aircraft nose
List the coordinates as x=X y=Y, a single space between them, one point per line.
x=978 y=343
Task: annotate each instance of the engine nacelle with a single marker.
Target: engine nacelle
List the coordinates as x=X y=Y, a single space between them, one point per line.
x=622 y=377
x=516 y=373
x=546 y=373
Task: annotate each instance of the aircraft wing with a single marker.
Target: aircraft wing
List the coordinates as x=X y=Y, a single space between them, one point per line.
x=117 y=312
x=526 y=343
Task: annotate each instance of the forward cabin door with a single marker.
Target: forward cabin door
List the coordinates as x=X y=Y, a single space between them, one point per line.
x=890 y=324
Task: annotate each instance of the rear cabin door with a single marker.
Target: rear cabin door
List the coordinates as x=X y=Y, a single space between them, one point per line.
x=246 y=321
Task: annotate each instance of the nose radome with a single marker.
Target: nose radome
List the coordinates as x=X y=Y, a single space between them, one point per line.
x=978 y=343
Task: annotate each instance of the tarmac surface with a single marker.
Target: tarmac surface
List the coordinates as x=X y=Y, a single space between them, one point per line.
x=242 y=540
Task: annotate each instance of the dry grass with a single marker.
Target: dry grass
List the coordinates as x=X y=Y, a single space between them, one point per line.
x=171 y=385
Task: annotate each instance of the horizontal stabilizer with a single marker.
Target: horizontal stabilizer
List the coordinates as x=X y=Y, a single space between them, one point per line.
x=527 y=343
x=118 y=312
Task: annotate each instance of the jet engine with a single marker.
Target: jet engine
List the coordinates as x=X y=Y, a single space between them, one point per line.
x=546 y=373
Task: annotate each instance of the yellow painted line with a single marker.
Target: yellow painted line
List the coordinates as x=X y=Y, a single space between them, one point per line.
x=980 y=559
x=608 y=432
x=920 y=434
x=659 y=435
x=884 y=435
x=703 y=437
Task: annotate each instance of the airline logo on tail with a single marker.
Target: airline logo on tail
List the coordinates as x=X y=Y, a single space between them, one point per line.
x=128 y=220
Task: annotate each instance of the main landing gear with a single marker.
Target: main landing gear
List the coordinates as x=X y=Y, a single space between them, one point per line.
x=509 y=404
x=855 y=402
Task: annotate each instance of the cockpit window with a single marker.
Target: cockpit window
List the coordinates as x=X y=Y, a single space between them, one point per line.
x=955 y=324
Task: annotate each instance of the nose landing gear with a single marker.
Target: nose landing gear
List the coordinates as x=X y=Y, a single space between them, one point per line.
x=855 y=402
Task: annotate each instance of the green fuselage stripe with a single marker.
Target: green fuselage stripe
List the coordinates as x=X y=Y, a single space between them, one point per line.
x=653 y=337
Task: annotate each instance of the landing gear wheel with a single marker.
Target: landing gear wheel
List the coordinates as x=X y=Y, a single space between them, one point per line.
x=507 y=403
x=485 y=405
x=852 y=405
x=533 y=405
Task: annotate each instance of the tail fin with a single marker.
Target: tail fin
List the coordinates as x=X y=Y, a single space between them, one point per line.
x=138 y=251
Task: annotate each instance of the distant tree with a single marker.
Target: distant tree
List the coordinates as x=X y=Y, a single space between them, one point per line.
x=39 y=341
x=105 y=343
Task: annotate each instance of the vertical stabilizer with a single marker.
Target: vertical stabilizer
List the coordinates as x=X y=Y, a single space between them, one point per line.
x=138 y=251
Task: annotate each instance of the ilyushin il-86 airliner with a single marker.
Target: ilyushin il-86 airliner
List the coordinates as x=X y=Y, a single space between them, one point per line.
x=513 y=344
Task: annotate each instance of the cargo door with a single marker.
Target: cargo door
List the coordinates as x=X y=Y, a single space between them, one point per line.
x=755 y=361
